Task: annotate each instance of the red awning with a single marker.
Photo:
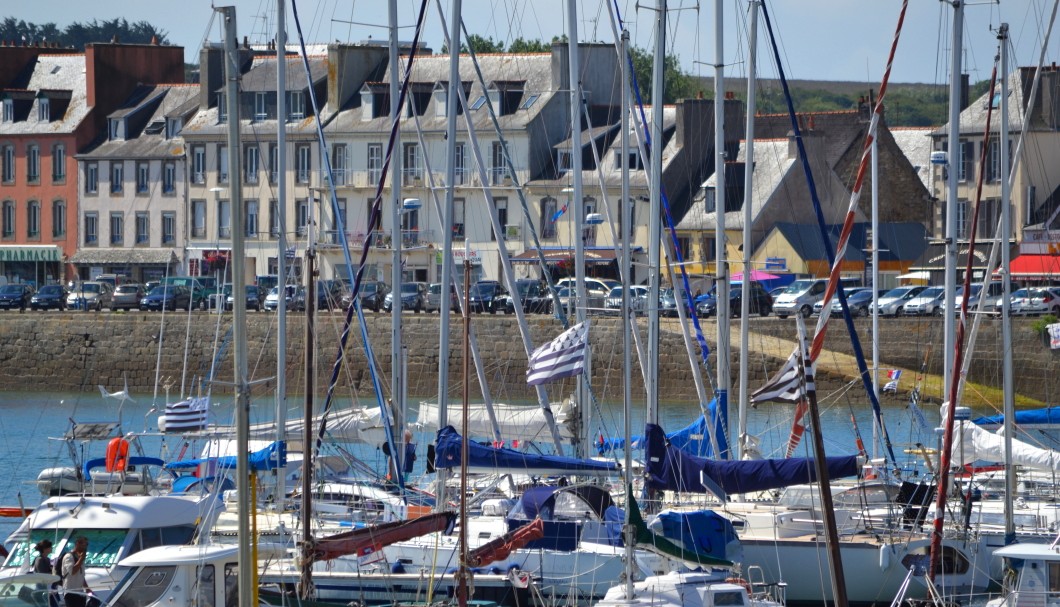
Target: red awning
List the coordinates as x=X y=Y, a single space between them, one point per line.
x=1036 y=267
x=557 y=255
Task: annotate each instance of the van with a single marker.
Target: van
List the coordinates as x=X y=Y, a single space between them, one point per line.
x=799 y=297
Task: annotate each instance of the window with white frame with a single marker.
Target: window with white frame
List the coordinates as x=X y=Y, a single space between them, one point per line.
x=966 y=168
x=274 y=162
x=143 y=228
x=303 y=157
x=339 y=163
x=169 y=177
x=296 y=104
x=198 y=219
x=497 y=169
x=501 y=204
x=198 y=164
x=117 y=228
x=222 y=164
x=261 y=106
x=58 y=218
x=340 y=220
x=250 y=163
x=545 y=220
x=302 y=215
x=222 y=108
x=58 y=163
x=460 y=176
x=563 y=160
x=117 y=177
x=169 y=228
x=411 y=164
x=33 y=163
x=274 y=219
x=143 y=177
x=44 y=110
x=33 y=219
x=91 y=177
x=375 y=163
x=8 y=164
x=458 y=218
x=9 y=110
x=91 y=229
x=962 y=219
x=116 y=129
x=224 y=219
x=251 y=219
x=9 y=219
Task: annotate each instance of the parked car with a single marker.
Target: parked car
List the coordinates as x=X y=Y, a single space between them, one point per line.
x=638 y=298
x=371 y=295
x=858 y=300
x=1034 y=302
x=295 y=298
x=330 y=294
x=16 y=296
x=533 y=295
x=799 y=297
x=90 y=295
x=892 y=303
x=667 y=302
x=992 y=294
x=928 y=303
x=834 y=302
x=760 y=303
x=596 y=289
x=48 y=297
x=127 y=297
x=487 y=296
x=413 y=297
x=255 y=297
x=167 y=297
x=434 y=298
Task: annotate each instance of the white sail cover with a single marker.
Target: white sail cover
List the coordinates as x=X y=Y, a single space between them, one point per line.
x=517 y=422
x=355 y=425
x=972 y=443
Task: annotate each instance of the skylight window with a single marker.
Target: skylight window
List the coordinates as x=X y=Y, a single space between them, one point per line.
x=481 y=101
x=529 y=101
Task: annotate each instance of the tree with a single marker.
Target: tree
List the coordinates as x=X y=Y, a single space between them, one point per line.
x=479 y=45
x=520 y=45
x=677 y=83
x=77 y=35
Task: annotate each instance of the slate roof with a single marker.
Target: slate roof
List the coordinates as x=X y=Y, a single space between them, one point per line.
x=262 y=73
x=52 y=73
x=915 y=143
x=973 y=117
x=163 y=100
x=898 y=241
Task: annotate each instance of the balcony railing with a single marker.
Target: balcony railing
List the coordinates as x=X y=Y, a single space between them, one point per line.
x=380 y=239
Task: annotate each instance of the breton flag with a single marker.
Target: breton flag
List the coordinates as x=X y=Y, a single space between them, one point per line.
x=561 y=357
x=892 y=386
x=187 y=415
x=788 y=385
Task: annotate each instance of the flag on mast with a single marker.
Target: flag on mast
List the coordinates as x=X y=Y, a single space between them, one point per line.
x=893 y=375
x=561 y=357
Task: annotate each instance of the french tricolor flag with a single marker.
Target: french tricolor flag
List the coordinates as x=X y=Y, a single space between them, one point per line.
x=894 y=374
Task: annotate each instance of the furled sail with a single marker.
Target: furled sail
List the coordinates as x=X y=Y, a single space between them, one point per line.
x=483 y=458
x=367 y=540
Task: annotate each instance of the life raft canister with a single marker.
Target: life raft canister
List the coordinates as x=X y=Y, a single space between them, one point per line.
x=117 y=454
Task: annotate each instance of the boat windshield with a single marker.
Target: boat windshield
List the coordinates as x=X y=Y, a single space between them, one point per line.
x=145 y=585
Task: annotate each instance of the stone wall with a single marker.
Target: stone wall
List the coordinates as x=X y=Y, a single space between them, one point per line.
x=77 y=352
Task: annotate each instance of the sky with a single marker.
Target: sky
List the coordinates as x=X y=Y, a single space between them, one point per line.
x=845 y=40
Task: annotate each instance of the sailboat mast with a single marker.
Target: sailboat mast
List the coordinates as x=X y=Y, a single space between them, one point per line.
x=1008 y=390
x=397 y=380
x=953 y=162
x=651 y=384
x=281 y=239
x=721 y=267
x=627 y=316
x=463 y=584
x=748 y=197
x=239 y=313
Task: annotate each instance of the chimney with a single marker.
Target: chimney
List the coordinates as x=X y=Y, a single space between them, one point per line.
x=154 y=40
x=115 y=40
x=211 y=74
x=349 y=67
x=965 y=92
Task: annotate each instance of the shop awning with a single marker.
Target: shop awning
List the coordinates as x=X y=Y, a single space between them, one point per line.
x=600 y=255
x=107 y=256
x=30 y=253
x=1035 y=267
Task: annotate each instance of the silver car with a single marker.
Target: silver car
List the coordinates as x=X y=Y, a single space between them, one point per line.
x=892 y=303
x=91 y=295
x=928 y=303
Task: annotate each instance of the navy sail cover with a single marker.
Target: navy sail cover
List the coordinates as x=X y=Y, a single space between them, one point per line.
x=670 y=468
x=447 y=455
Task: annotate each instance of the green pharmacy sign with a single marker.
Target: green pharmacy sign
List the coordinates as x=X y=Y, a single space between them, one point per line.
x=30 y=254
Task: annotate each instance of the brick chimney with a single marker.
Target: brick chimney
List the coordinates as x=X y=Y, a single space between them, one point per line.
x=211 y=73
x=112 y=71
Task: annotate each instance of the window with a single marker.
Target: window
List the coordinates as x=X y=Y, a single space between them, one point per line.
x=303 y=155
x=501 y=204
x=143 y=177
x=589 y=237
x=497 y=169
x=296 y=104
x=460 y=162
x=375 y=163
x=198 y=164
x=169 y=177
x=58 y=218
x=9 y=110
x=547 y=219
x=632 y=217
x=224 y=219
x=994 y=172
x=274 y=219
x=302 y=206
x=169 y=227
x=91 y=229
x=44 y=112
x=962 y=219
x=9 y=164
x=563 y=160
x=143 y=228
x=458 y=218
x=250 y=163
x=91 y=177
x=339 y=160
x=59 y=163
x=967 y=161
x=222 y=164
x=9 y=219
x=481 y=101
x=260 y=105
x=117 y=176
x=222 y=108
x=529 y=102
x=33 y=163
x=117 y=226
x=198 y=219
x=274 y=162
x=340 y=220
x=411 y=163
x=115 y=130
x=252 y=219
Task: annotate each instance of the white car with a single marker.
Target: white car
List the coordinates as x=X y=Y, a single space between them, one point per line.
x=638 y=295
x=928 y=303
x=892 y=303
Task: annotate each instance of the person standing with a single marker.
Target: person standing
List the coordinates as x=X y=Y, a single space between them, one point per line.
x=43 y=564
x=75 y=588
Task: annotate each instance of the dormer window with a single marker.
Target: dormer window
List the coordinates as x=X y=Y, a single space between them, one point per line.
x=440 y=95
x=222 y=108
x=260 y=106
x=9 y=110
x=116 y=130
x=173 y=127
x=563 y=160
x=296 y=104
x=367 y=111
x=44 y=113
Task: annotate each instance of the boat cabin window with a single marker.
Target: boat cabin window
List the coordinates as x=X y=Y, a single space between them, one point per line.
x=728 y=598
x=231 y=586
x=104 y=545
x=23 y=553
x=143 y=586
x=204 y=586
x=1054 y=577
x=164 y=536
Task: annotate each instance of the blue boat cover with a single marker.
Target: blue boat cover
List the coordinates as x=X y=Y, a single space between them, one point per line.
x=447 y=455
x=264 y=459
x=670 y=468
x=1047 y=417
x=693 y=438
x=134 y=460
x=701 y=531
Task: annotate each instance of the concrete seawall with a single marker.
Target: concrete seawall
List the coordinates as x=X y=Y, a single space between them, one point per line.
x=77 y=351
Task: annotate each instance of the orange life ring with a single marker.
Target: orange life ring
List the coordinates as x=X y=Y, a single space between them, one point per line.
x=117 y=454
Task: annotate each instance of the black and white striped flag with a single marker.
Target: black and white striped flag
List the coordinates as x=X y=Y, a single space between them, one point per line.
x=788 y=384
x=187 y=415
x=561 y=357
